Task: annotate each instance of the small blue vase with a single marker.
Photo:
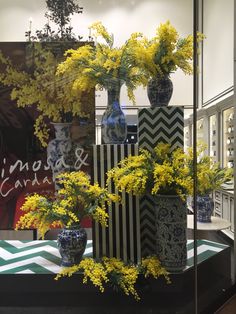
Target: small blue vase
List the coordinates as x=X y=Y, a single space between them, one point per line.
x=71 y=244
x=205 y=206
x=113 y=124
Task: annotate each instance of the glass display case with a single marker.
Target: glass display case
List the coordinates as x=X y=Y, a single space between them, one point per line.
x=213 y=137
x=228 y=138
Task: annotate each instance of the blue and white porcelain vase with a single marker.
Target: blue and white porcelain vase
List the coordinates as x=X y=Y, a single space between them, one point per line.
x=171 y=231
x=71 y=244
x=113 y=124
x=159 y=91
x=61 y=151
x=205 y=207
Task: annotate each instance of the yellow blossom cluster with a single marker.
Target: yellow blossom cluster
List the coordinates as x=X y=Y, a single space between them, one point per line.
x=210 y=176
x=104 y=65
x=93 y=271
x=125 y=276
x=168 y=172
x=53 y=96
x=163 y=172
x=152 y=267
x=167 y=51
x=37 y=210
x=132 y=174
x=100 y=30
x=101 y=216
x=171 y=171
x=115 y=272
x=76 y=199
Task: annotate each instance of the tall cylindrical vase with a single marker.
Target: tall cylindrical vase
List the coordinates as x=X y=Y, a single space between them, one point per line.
x=113 y=124
x=171 y=231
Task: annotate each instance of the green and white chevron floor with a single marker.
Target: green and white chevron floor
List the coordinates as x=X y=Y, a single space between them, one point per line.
x=205 y=250
x=42 y=257
x=32 y=257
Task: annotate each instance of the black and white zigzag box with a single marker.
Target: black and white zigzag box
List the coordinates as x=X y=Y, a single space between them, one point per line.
x=121 y=238
x=161 y=124
x=155 y=125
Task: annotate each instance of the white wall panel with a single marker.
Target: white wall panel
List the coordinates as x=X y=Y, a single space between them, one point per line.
x=218 y=21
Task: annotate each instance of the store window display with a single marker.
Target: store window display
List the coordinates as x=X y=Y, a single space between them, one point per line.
x=125 y=241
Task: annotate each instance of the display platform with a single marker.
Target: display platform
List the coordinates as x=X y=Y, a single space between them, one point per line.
x=43 y=257
x=28 y=268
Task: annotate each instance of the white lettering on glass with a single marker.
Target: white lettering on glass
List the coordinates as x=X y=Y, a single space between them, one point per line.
x=6 y=187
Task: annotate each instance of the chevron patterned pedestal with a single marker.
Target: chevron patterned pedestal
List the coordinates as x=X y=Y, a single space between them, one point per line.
x=163 y=124
x=122 y=236
x=147 y=225
x=155 y=125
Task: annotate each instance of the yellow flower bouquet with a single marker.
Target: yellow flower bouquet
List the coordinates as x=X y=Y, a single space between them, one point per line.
x=167 y=51
x=117 y=274
x=39 y=86
x=210 y=177
x=107 y=67
x=164 y=172
x=162 y=55
x=104 y=65
x=168 y=172
x=77 y=198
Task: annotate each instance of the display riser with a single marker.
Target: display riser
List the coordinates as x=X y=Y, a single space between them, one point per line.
x=155 y=125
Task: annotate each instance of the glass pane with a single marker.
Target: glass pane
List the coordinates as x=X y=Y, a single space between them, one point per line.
x=213 y=137
x=187 y=138
x=200 y=130
x=228 y=138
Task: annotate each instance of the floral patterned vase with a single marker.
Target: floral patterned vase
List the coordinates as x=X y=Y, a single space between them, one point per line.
x=159 y=91
x=205 y=207
x=113 y=124
x=61 y=151
x=71 y=244
x=171 y=235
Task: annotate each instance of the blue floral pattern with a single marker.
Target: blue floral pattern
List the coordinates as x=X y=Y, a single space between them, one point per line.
x=61 y=150
x=205 y=207
x=171 y=235
x=71 y=244
x=160 y=91
x=113 y=124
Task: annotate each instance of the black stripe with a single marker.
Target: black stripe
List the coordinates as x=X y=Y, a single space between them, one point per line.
x=121 y=230
x=127 y=225
x=135 y=227
x=99 y=164
x=94 y=236
x=114 y=229
x=105 y=163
